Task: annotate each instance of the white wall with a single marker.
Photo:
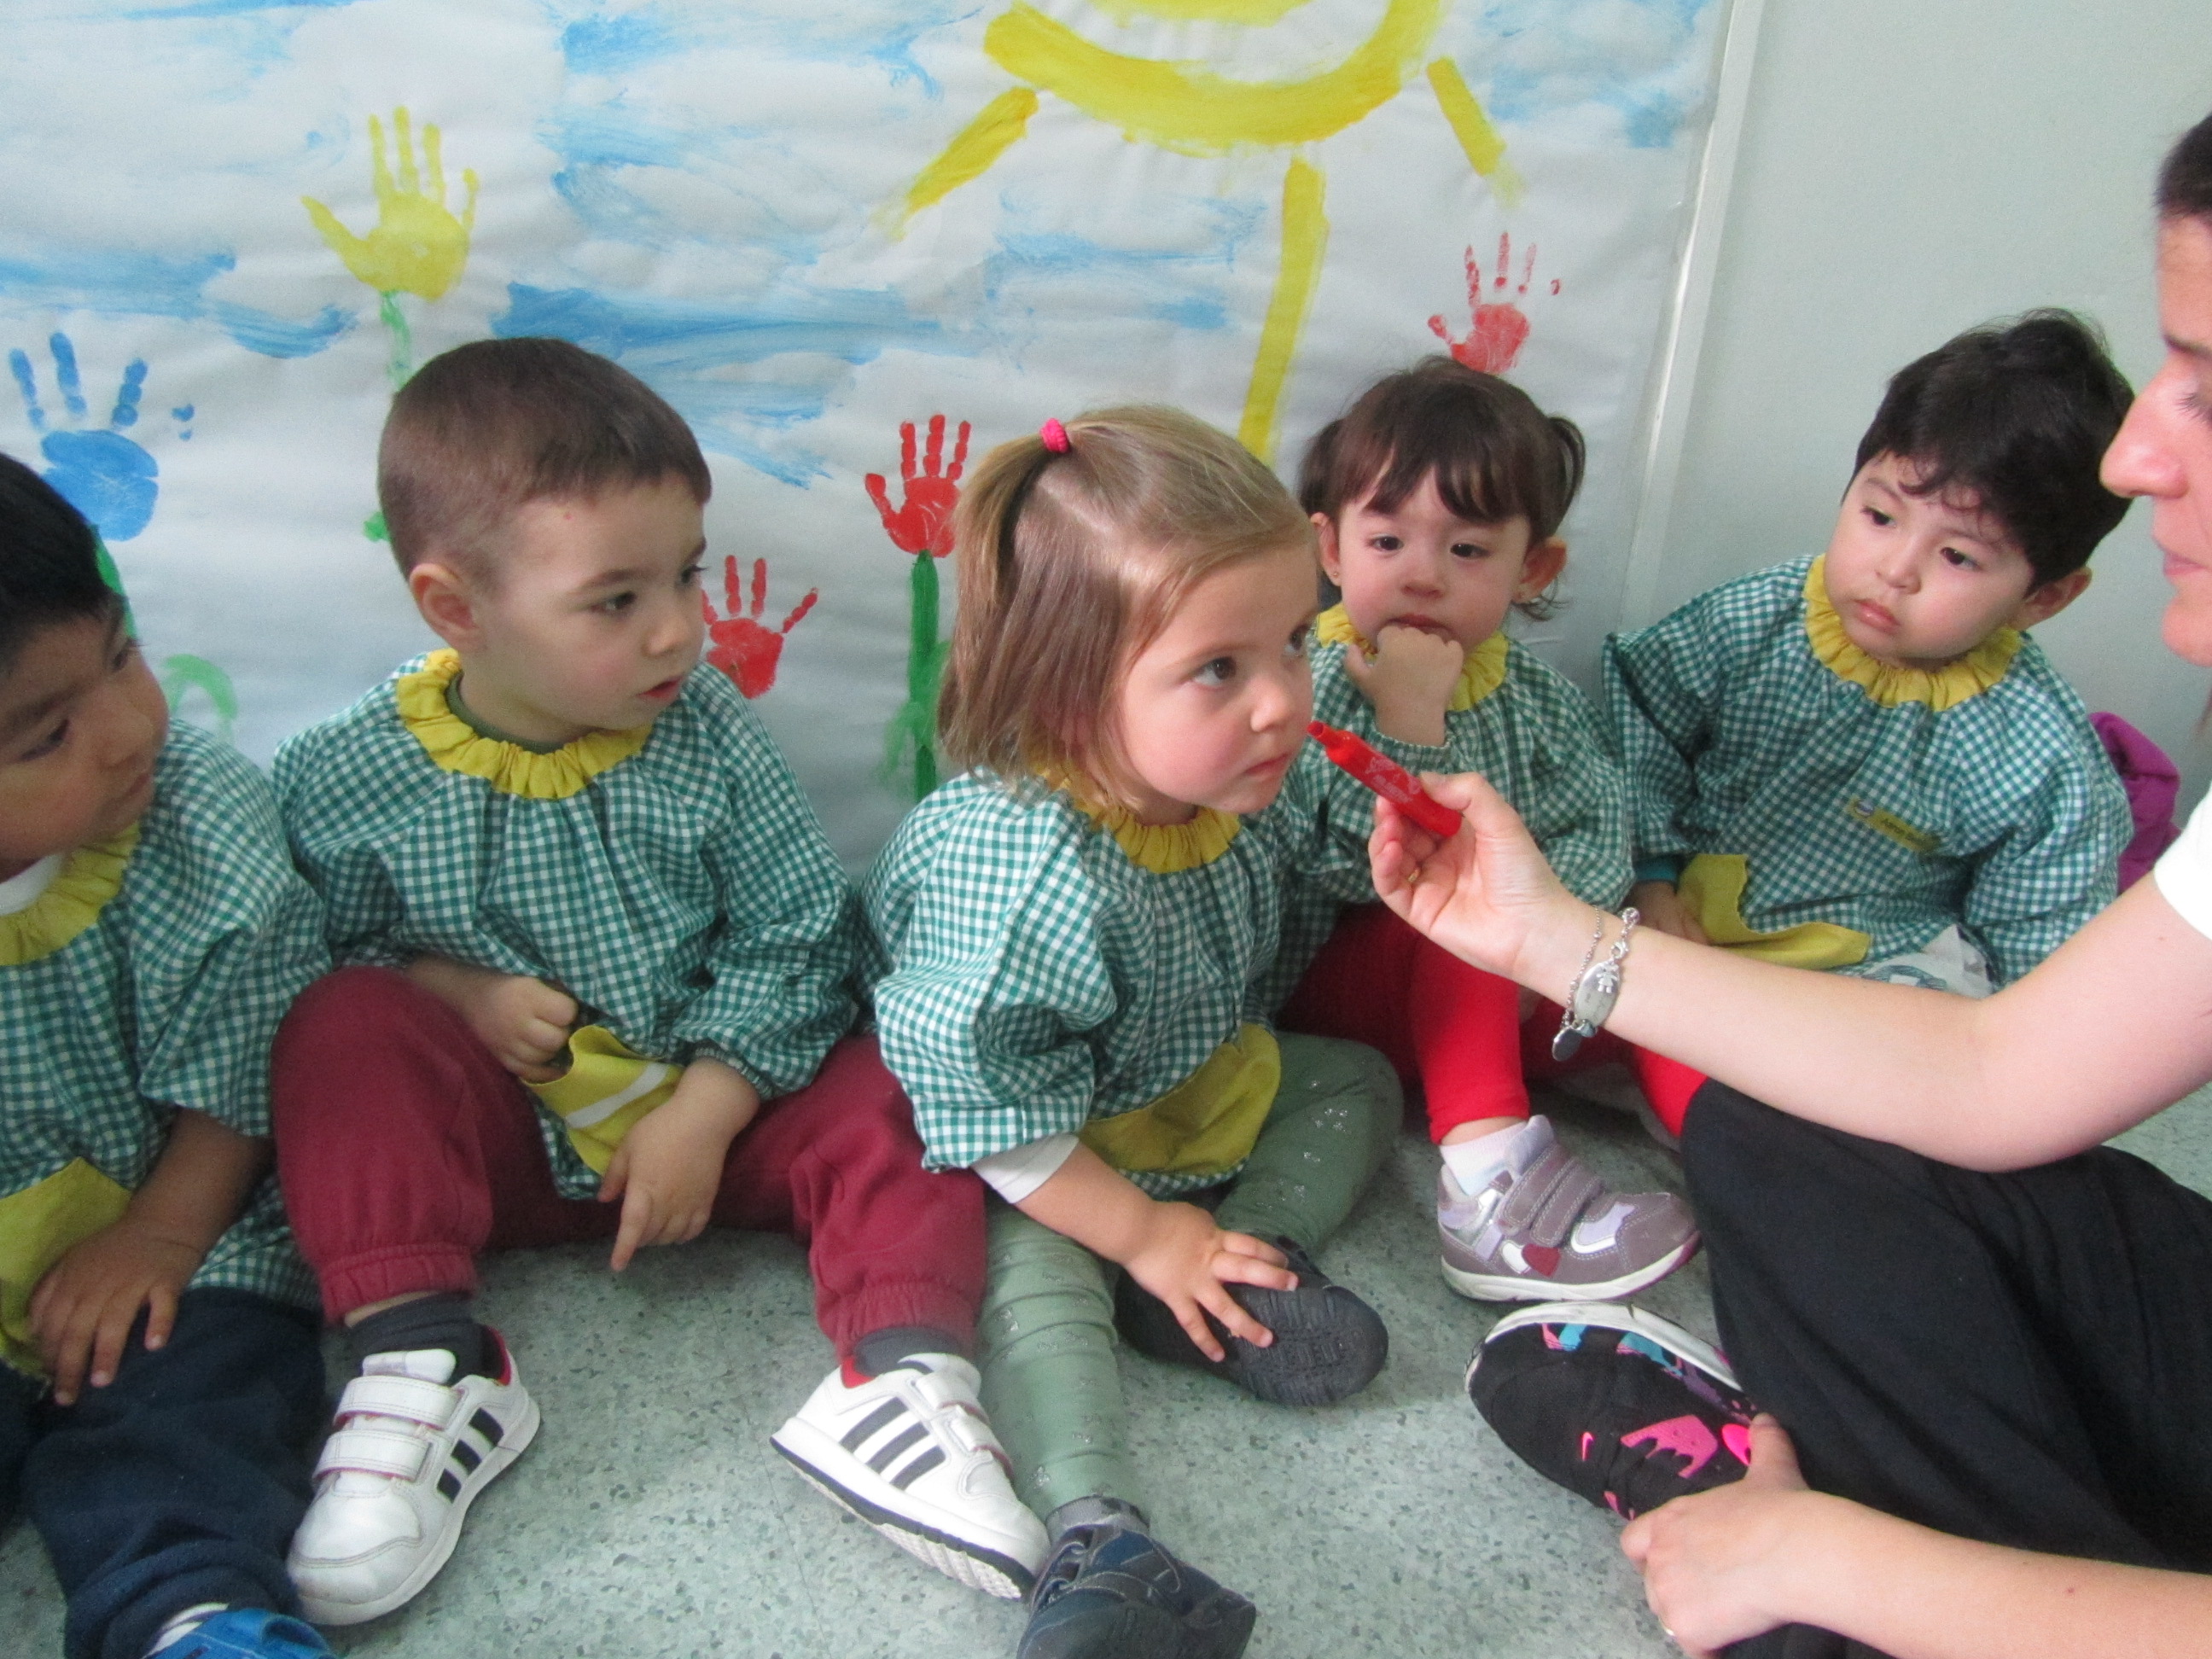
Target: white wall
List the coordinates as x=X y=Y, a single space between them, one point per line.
x=1908 y=168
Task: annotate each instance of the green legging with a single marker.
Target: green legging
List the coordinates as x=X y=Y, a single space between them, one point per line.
x=1049 y=1381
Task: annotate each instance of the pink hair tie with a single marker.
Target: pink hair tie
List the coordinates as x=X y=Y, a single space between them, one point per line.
x=1055 y=437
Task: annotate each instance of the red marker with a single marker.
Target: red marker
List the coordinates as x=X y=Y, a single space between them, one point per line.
x=1386 y=778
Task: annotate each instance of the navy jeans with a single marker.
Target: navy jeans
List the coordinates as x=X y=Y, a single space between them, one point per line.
x=2023 y=1359
x=180 y=1482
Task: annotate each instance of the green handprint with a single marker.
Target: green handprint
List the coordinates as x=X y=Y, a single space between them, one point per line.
x=417 y=247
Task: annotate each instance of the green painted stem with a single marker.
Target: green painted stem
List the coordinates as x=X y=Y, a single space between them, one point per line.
x=403 y=337
x=924 y=665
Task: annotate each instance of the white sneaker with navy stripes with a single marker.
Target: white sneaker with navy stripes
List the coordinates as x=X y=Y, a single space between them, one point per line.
x=911 y=1453
x=409 y=1454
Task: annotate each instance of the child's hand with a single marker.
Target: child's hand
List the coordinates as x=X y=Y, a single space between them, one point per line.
x=525 y=1021
x=1189 y=1263
x=83 y=1310
x=669 y=1166
x=1661 y=906
x=1409 y=680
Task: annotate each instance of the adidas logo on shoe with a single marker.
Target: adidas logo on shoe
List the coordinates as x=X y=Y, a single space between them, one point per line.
x=911 y=1453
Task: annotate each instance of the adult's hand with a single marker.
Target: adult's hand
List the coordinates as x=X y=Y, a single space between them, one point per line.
x=1714 y=1565
x=1486 y=894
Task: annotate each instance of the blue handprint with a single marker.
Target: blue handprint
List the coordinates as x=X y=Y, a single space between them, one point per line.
x=111 y=480
x=106 y=477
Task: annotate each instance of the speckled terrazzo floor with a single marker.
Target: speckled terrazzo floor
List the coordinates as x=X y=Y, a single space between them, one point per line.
x=652 y=1519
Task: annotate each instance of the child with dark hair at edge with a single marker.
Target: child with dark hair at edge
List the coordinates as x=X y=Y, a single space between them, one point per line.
x=1072 y=932
x=1859 y=762
x=1439 y=497
x=594 y=959
x=161 y=1385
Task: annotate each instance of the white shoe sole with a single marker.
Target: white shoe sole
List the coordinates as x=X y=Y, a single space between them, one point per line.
x=1506 y=1287
x=1664 y=1333
x=512 y=1444
x=980 y=1564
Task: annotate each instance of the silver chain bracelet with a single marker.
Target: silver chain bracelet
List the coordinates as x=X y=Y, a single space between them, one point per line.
x=1590 y=998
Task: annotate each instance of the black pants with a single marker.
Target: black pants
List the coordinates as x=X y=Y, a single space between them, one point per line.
x=180 y=1482
x=2023 y=1360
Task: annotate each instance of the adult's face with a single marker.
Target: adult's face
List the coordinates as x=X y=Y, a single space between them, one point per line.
x=2164 y=450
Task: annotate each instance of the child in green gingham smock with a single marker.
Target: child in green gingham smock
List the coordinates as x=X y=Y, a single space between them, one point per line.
x=1516 y=720
x=1067 y=939
x=682 y=892
x=143 y=976
x=1948 y=828
x=595 y=952
x=167 y=998
x=1045 y=968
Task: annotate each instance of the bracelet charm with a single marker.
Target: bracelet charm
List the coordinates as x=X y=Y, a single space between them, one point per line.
x=1596 y=986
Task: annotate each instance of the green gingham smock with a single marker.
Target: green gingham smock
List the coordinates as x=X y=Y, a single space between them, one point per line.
x=1030 y=976
x=1536 y=739
x=1740 y=738
x=685 y=896
x=169 y=999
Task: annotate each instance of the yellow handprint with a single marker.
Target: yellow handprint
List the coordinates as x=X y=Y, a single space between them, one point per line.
x=417 y=247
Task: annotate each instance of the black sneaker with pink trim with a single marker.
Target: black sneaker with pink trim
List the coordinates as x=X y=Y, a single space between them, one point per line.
x=1626 y=1408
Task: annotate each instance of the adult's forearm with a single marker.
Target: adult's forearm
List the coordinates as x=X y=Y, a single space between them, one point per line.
x=2113 y=1027
x=1916 y=1594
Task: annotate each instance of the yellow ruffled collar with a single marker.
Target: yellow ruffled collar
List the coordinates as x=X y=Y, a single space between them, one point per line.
x=1892 y=683
x=454 y=744
x=1161 y=848
x=1482 y=673
x=72 y=901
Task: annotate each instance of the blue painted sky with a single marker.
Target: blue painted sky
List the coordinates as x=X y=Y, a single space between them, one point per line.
x=126 y=283
x=1532 y=58
x=646 y=156
x=796 y=352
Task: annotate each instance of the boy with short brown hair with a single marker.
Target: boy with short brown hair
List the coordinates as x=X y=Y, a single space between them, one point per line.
x=590 y=933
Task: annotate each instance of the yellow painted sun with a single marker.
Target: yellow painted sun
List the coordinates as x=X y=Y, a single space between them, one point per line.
x=1190 y=109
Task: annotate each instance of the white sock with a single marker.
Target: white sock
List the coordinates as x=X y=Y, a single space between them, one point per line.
x=1475 y=1164
x=184 y=1624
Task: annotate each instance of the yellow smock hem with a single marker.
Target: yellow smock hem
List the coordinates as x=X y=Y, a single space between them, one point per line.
x=1482 y=673
x=1207 y=1124
x=39 y=1225
x=1894 y=683
x=1711 y=887
x=454 y=744
x=607 y=1090
x=72 y=901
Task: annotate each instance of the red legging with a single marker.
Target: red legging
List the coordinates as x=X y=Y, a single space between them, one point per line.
x=1452 y=1029
x=404 y=1149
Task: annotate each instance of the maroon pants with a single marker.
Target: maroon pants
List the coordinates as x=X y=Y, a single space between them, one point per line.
x=1453 y=1030
x=404 y=1148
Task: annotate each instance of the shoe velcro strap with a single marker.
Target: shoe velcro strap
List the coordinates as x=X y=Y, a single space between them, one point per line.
x=431 y=1404
x=375 y=1451
x=1551 y=1194
x=935 y=1392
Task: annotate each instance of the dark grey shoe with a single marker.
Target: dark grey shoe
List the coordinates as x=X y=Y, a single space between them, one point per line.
x=1329 y=1344
x=1110 y=1592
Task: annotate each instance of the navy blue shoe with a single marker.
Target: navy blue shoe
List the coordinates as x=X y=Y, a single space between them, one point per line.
x=1329 y=1344
x=1109 y=1592
x=248 y=1633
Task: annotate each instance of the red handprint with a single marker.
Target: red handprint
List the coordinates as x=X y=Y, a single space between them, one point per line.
x=1497 y=329
x=922 y=522
x=743 y=649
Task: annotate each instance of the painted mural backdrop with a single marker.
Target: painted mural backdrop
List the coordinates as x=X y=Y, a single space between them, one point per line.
x=855 y=242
